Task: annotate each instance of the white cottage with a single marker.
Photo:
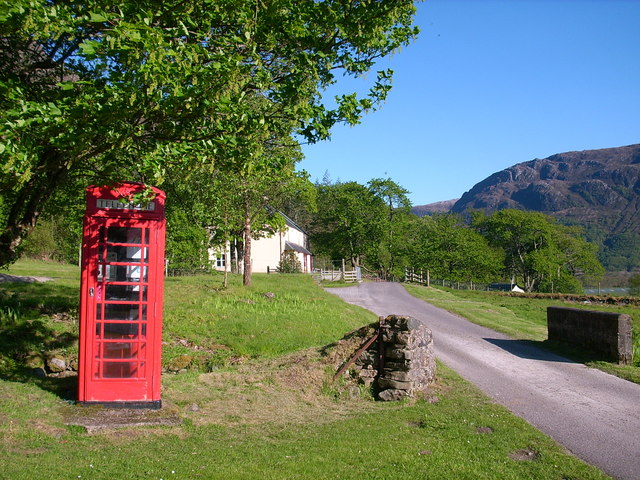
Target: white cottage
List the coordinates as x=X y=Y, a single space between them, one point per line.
x=267 y=251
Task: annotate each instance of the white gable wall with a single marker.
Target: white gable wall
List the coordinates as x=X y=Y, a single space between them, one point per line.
x=296 y=236
x=267 y=251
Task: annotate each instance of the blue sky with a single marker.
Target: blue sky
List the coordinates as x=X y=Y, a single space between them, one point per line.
x=492 y=83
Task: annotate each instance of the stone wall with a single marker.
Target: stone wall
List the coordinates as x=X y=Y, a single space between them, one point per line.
x=407 y=365
x=609 y=335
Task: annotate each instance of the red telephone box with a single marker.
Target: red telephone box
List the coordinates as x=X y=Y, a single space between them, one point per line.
x=121 y=297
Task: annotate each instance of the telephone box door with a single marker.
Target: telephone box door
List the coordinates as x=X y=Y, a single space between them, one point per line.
x=120 y=336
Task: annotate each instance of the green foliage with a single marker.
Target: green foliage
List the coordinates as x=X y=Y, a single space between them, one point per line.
x=128 y=90
x=540 y=253
x=393 y=247
x=42 y=243
x=350 y=224
x=55 y=238
x=564 y=282
x=621 y=252
x=187 y=243
x=451 y=250
x=289 y=263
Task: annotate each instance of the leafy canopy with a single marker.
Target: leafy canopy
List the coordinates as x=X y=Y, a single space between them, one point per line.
x=539 y=252
x=124 y=90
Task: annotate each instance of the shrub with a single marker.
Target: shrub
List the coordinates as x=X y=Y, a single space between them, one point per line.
x=55 y=238
x=289 y=263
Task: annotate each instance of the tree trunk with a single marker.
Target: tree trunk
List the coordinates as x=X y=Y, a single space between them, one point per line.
x=227 y=259
x=26 y=206
x=246 y=277
x=233 y=256
x=239 y=255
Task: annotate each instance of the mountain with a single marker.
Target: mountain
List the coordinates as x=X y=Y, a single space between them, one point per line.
x=597 y=189
x=431 y=208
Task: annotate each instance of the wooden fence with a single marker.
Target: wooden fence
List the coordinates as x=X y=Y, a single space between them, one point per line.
x=411 y=276
x=423 y=277
x=349 y=276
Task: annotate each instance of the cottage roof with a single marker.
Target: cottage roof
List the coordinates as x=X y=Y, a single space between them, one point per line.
x=291 y=223
x=298 y=248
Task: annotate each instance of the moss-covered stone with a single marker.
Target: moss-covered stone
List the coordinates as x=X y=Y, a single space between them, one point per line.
x=179 y=363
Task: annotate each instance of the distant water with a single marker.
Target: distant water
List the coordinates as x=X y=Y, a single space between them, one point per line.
x=607 y=291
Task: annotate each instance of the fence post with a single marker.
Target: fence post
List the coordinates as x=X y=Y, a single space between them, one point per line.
x=428 y=279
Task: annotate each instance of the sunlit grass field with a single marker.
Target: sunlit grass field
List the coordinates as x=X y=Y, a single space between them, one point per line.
x=261 y=407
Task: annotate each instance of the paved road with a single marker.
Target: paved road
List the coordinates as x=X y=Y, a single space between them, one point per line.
x=594 y=415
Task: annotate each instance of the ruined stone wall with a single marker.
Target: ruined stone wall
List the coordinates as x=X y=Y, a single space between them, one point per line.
x=407 y=360
x=607 y=334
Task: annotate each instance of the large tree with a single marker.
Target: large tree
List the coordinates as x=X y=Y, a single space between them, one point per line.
x=122 y=90
x=394 y=244
x=350 y=223
x=539 y=252
x=445 y=246
x=237 y=207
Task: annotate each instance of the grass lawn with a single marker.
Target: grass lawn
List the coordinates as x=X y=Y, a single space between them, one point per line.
x=261 y=405
x=525 y=318
x=299 y=315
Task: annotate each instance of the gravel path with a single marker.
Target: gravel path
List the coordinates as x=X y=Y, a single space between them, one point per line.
x=5 y=277
x=594 y=415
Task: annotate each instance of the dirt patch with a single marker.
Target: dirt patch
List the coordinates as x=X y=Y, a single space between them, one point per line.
x=524 y=455
x=44 y=426
x=101 y=419
x=292 y=389
x=289 y=390
x=484 y=430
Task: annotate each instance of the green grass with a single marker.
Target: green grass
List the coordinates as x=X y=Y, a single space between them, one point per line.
x=271 y=415
x=34 y=299
x=525 y=318
x=300 y=315
x=226 y=323
x=381 y=441
x=517 y=319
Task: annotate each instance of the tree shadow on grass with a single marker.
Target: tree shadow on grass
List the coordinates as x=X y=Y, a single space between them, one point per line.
x=27 y=333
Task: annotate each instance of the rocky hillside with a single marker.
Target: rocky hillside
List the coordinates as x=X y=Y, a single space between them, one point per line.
x=598 y=189
x=431 y=208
